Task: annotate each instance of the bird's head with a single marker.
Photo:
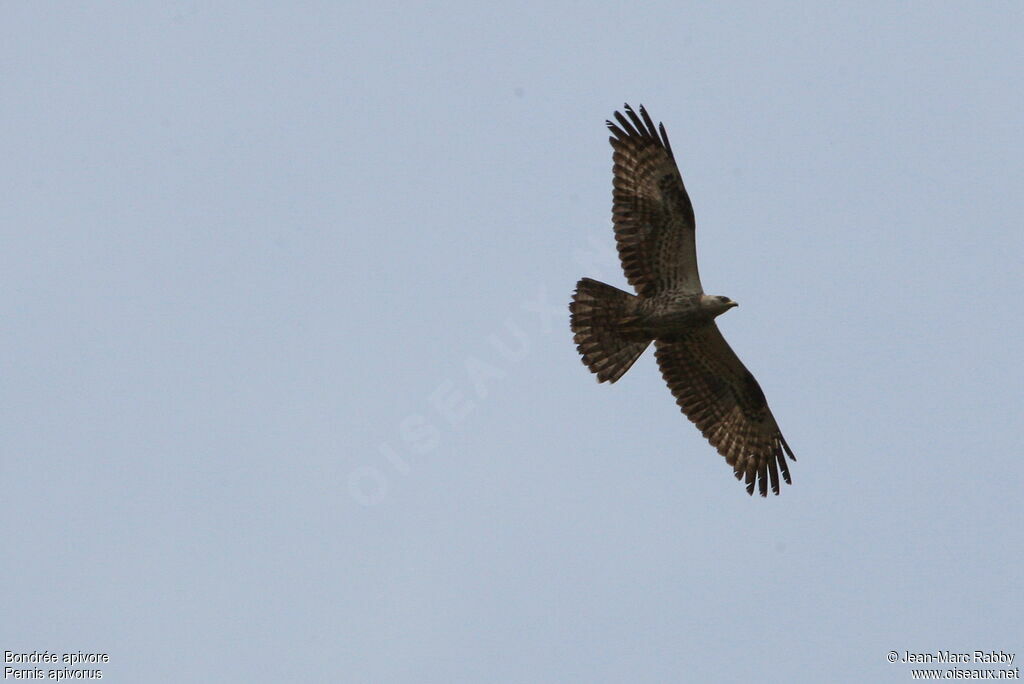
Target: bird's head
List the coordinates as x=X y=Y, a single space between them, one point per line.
x=716 y=305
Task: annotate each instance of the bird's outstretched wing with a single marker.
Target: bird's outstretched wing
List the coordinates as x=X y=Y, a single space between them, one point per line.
x=720 y=396
x=654 y=225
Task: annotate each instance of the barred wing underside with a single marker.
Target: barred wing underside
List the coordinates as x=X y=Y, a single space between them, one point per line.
x=654 y=224
x=720 y=396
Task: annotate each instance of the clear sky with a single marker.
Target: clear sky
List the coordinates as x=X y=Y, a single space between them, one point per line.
x=287 y=388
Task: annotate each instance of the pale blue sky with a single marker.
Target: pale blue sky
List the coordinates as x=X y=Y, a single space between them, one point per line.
x=288 y=391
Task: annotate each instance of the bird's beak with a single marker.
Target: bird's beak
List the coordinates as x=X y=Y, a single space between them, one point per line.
x=732 y=303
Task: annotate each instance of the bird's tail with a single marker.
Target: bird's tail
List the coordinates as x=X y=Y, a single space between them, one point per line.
x=605 y=322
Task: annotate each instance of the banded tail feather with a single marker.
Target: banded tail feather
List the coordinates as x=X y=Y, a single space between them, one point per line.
x=603 y=322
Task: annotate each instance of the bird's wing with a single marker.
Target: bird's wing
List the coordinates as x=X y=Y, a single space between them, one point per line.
x=654 y=225
x=720 y=396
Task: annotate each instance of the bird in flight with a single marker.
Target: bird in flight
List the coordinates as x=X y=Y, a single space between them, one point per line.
x=654 y=233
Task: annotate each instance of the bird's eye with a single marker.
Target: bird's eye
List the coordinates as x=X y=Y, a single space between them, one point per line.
x=723 y=299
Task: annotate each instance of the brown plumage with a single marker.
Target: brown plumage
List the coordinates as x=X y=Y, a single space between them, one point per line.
x=654 y=233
